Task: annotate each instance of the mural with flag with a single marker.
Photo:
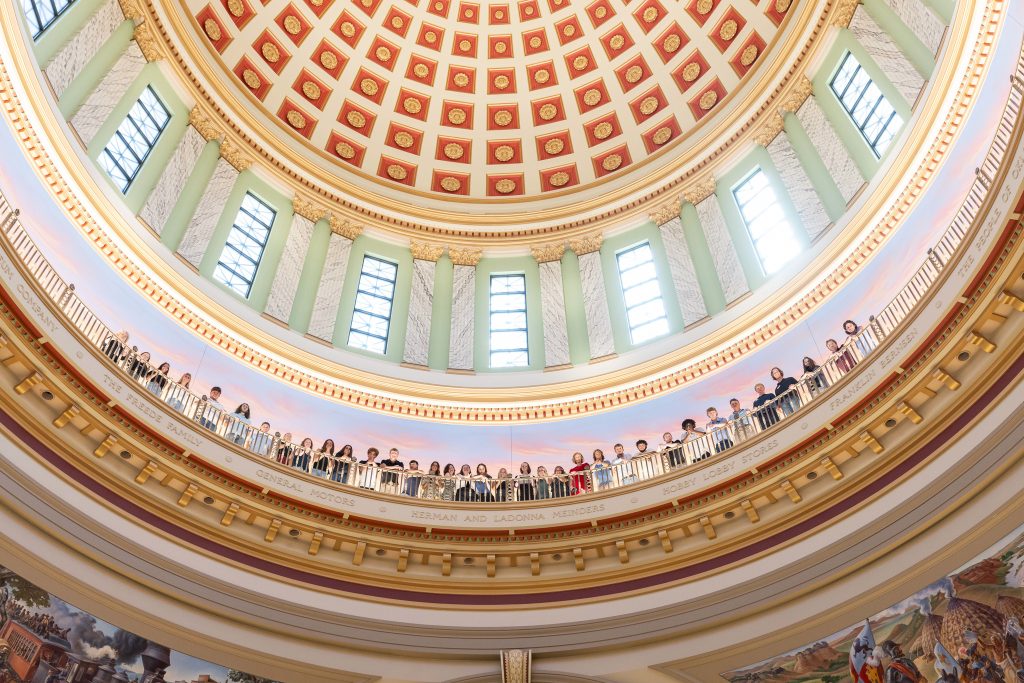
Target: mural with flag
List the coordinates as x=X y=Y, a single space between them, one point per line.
x=963 y=628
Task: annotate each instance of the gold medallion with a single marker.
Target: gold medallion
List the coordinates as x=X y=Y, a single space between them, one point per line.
x=542 y=76
x=345 y=150
x=535 y=42
x=554 y=146
x=383 y=54
x=421 y=70
x=236 y=8
x=461 y=79
x=355 y=119
x=503 y=117
x=559 y=179
x=672 y=43
x=501 y=81
x=328 y=60
x=705 y=6
x=580 y=62
x=634 y=73
x=749 y=55
x=369 y=87
x=397 y=172
x=611 y=162
x=454 y=151
x=505 y=186
x=465 y=45
x=708 y=100
x=728 y=30
x=292 y=24
x=311 y=90
x=295 y=119
x=450 y=184
x=348 y=29
x=504 y=153
x=212 y=29
x=270 y=52
x=691 y=72
x=650 y=14
x=500 y=47
x=547 y=112
x=662 y=135
x=404 y=139
x=412 y=105
x=591 y=97
x=617 y=42
x=603 y=130
x=649 y=105
x=251 y=79
x=457 y=116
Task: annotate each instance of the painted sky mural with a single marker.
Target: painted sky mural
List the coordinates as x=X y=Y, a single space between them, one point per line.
x=45 y=633
x=291 y=410
x=972 y=616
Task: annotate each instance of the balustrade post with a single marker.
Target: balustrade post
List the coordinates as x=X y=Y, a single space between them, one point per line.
x=935 y=259
x=10 y=219
x=876 y=328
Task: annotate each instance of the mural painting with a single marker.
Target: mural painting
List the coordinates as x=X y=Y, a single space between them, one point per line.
x=964 y=628
x=45 y=640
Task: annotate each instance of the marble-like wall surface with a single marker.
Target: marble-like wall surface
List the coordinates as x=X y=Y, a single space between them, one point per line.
x=798 y=184
x=83 y=46
x=328 y=293
x=887 y=54
x=684 y=276
x=96 y=109
x=204 y=221
x=460 y=344
x=595 y=303
x=723 y=251
x=162 y=200
x=830 y=148
x=289 y=269
x=421 y=304
x=556 y=332
x=920 y=19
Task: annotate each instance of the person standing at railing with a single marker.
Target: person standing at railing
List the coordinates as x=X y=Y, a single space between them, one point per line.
x=858 y=338
x=579 y=475
x=390 y=467
x=840 y=357
x=503 y=490
x=694 y=444
x=178 y=393
x=785 y=391
x=524 y=483
x=670 y=445
x=465 y=484
x=620 y=463
x=284 y=449
x=239 y=421
x=413 y=476
x=718 y=427
x=322 y=459
x=448 y=482
x=158 y=379
x=261 y=440
x=116 y=347
x=211 y=410
x=370 y=476
x=741 y=423
x=482 y=485
x=813 y=377
x=644 y=462
x=560 y=487
x=303 y=457
x=602 y=470
x=543 y=483
x=140 y=368
x=764 y=407
x=343 y=464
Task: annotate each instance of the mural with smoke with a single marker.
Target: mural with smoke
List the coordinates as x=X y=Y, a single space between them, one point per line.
x=46 y=640
x=963 y=628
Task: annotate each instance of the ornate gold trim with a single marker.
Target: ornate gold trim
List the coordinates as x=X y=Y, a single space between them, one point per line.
x=548 y=252
x=425 y=251
x=204 y=124
x=307 y=208
x=586 y=244
x=700 y=190
x=464 y=256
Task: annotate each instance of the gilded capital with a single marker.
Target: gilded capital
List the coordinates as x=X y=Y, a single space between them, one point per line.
x=149 y=45
x=666 y=212
x=234 y=155
x=700 y=190
x=131 y=9
x=307 y=209
x=770 y=128
x=586 y=244
x=842 y=15
x=425 y=251
x=548 y=252
x=203 y=124
x=797 y=95
x=345 y=227
x=464 y=256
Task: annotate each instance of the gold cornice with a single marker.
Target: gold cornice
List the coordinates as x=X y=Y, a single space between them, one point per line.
x=308 y=209
x=344 y=227
x=425 y=251
x=492 y=227
x=548 y=252
x=614 y=388
x=464 y=256
x=586 y=244
x=700 y=190
x=203 y=124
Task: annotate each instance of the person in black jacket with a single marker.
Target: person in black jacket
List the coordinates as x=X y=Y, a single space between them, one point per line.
x=785 y=391
x=764 y=408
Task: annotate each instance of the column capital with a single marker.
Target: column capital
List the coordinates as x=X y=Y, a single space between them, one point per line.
x=305 y=207
x=842 y=15
x=700 y=190
x=425 y=251
x=770 y=129
x=233 y=154
x=147 y=42
x=345 y=227
x=667 y=211
x=131 y=9
x=801 y=89
x=548 y=252
x=464 y=256
x=586 y=244
x=204 y=124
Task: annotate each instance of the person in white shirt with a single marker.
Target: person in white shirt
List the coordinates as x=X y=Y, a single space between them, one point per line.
x=211 y=410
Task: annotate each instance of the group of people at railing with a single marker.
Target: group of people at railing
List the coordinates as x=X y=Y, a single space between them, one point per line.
x=392 y=475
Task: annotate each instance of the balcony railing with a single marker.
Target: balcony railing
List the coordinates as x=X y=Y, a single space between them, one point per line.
x=507 y=487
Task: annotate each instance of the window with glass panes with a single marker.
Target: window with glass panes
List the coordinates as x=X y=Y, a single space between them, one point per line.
x=869 y=109
x=774 y=237
x=509 y=345
x=375 y=295
x=41 y=13
x=645 y=310
x=243 y=250
x=134 y=139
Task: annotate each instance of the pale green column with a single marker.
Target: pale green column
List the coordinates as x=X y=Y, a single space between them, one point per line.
x=177 y=222
x=98 y=67
x=919 y=55
x=703 y=265
x=62 y=30
x=441 y=315
x=575 y=311
x=526 y=265
x=309 y=280
x=821 y=179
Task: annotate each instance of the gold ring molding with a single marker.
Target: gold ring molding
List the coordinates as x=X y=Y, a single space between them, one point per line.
x=897 y=191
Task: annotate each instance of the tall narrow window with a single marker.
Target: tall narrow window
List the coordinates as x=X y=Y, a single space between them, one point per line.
x=774 y=237
x=41 y=13
x=869 y=109
x=371 y=319
x=241 y=256
x=508 y=337
x=134 y=139
x=645 y=310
